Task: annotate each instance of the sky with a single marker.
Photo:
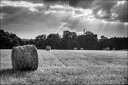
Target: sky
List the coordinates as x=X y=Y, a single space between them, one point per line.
x=30 y=18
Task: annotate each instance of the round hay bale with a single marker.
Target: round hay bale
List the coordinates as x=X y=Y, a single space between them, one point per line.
x=48 y=48
x=113 y=49
x=81 y=48
x=24 y=58
x=75 y=48
x=107 y=48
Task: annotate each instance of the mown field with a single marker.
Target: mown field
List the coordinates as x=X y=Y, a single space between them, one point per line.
x=67 y=67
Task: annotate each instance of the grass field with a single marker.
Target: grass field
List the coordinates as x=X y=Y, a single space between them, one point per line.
x=68 y=67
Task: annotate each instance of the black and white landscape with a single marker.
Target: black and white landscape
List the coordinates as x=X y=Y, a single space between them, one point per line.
x=65 y=41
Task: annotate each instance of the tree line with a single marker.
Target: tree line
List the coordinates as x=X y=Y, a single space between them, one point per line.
x=69 y=40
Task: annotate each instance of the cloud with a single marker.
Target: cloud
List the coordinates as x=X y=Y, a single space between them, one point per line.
x=114 y=10
x=120 y=10
x=19 y=10
x=15 y=12
x=10 y=9
x=74 y=3
x=31 y=6
x=107 y=10
x=102 y=9
x=42 y=17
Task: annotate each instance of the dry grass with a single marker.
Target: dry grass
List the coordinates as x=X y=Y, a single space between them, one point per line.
x=69 y=67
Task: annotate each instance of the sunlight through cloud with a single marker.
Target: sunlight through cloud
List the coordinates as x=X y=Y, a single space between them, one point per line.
x=31 y=6
x=20 y=4
x=75 y=12
x=59 y=17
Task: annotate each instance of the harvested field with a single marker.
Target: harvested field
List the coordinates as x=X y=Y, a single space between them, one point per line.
x=69 y=67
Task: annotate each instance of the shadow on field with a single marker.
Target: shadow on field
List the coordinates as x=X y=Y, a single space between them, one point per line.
x=12 y=72
x=7 y=71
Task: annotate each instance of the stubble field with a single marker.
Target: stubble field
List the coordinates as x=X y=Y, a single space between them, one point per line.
x=68 y=67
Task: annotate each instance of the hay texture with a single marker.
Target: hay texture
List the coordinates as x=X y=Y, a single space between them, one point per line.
x=24 y=58
x=48 y=48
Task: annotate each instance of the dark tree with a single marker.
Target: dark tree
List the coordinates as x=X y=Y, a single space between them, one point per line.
x=41 y=41
x=88 y=40
x=53 y=40
x=67 y=39
x=73 y=44
x=103 y=43
x=8 y=40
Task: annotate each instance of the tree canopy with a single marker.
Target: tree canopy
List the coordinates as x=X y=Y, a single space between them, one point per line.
x=69 y=40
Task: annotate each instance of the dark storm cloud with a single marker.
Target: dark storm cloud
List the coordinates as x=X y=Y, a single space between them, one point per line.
x=74 y=3
x=13 y=14
x=16 y=12
x=10 y=9
x=111 y=10
x=121 y=11
x=108 y=10
x=102 y=8
x=78 y=15
x=103 y=4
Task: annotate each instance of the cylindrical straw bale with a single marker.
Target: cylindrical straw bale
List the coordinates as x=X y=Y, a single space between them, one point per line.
x=48 y=48
x=81 y=48
x=75 y=48
x=113 y=49
x=107 y=48
x=24 y=58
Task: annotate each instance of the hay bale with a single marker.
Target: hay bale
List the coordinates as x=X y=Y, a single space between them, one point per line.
x=48 y=48
x=107 y=48
x=75 y=48
x=81 y=48
x=113 y=49
x=24 y=58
